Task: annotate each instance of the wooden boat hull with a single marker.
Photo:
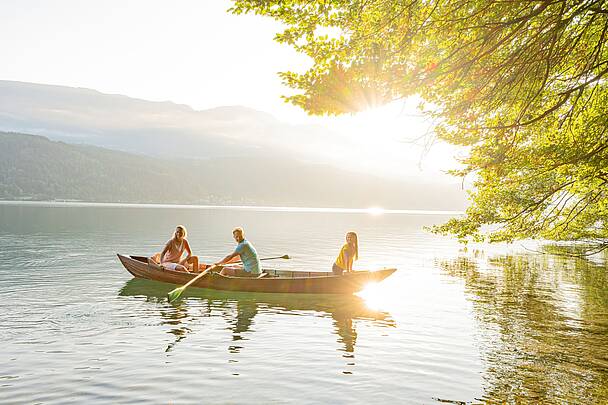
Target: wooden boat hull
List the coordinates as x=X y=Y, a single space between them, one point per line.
x=276 y=282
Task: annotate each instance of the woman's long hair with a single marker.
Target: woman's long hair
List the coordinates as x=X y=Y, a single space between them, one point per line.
x=356 y=238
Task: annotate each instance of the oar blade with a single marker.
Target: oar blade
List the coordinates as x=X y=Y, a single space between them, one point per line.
x=175 y=294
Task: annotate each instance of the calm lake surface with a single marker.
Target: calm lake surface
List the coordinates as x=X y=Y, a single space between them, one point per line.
x=483 y=324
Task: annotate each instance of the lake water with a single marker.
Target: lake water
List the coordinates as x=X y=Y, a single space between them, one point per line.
x=483 y=324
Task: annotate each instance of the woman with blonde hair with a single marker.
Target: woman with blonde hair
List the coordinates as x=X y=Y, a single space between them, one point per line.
x=348 y=254
x=171 y=256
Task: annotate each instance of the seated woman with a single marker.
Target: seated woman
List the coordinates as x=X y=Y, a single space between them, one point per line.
x=348 y=253
x=171 y=256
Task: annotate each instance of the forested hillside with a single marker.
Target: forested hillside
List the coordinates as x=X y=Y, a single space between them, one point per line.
x=35 y=168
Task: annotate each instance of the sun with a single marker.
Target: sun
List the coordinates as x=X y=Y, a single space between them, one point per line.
x=376 y=297
x=375 y=210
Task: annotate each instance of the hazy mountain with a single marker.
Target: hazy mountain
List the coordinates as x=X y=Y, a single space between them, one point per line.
x=166 y=129
x=34 y=167
x=225 y=154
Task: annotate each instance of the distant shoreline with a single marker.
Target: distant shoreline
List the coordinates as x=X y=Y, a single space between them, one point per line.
x=337 y=210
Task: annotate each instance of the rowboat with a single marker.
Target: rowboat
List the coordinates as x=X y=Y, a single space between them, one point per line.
x=276 y=281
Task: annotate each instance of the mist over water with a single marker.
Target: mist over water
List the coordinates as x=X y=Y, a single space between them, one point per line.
x=486 y=323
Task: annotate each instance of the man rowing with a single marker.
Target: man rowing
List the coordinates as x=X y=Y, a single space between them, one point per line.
x=248 y=254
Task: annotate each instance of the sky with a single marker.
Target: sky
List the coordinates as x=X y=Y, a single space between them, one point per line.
x=194 y=52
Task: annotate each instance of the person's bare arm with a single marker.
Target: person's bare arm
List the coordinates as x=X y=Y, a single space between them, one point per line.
x=188 y=250
x=235 y=258
x=349 y=260
x=227 y=258
x=162 y=254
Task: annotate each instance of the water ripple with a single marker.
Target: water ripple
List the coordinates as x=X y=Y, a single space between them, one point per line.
x=486 y=323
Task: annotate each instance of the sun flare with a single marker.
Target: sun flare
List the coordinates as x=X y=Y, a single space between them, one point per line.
x=375 y=210
x=376 y=297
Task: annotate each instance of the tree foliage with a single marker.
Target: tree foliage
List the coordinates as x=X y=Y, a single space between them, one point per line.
x=522 y=84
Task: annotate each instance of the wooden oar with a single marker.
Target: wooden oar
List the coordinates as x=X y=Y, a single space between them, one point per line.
x=265 y=258
x=175 y=294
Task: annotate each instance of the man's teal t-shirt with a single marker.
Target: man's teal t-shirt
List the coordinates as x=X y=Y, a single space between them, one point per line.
x=249 y=257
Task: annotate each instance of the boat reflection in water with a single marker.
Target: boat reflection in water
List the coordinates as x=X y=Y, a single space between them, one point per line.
x=240 y=308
